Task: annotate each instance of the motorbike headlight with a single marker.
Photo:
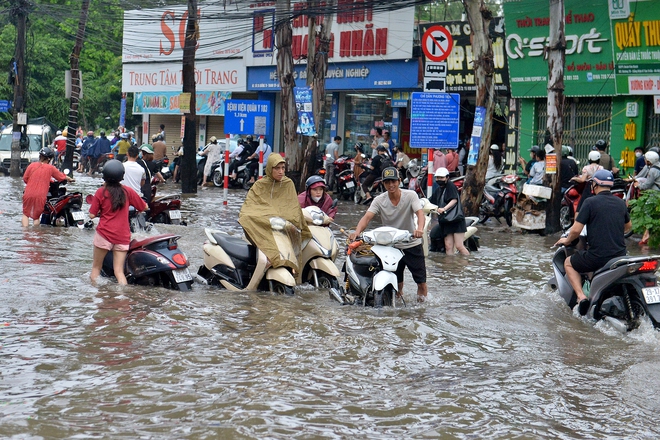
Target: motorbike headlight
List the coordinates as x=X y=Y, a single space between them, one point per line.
x=277 y=223
x=383 y=238
x=317 y=218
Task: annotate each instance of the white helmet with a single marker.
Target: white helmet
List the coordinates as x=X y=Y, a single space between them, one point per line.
x=594 y=156
x=494 y=147
x=652 y=157
x=441 y=172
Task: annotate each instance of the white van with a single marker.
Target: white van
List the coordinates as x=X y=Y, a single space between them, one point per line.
x=39 y=135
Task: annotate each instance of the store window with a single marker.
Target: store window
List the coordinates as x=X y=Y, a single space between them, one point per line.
x=364 y=112
x=325 y=123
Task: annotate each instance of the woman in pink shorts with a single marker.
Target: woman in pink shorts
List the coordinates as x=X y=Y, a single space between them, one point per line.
x=113 y=233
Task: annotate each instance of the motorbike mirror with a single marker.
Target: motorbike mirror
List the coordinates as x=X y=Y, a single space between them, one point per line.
x=89 y=199
x=334 y=202
x=364 y=156
x=66 y=171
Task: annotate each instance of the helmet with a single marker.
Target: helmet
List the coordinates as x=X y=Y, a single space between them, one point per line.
x=102 y=133
x=113 y=171
x=656 y=149
x=46 y=152
x=314 y=182
x=601 y=144
x=359 y=146
x=603 y=178
x=213 y=140
x=652 y=157
x=90 y=133
x=570 y=150
x=494 y=147
x=58 y=132
x=534 y=149
x=594 y=156
x=441 y=172
x=565 y=151
x=249 y=137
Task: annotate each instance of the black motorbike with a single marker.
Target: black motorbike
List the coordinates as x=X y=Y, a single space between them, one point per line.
x=62 y=208
x=624 y=292
x=154 y=261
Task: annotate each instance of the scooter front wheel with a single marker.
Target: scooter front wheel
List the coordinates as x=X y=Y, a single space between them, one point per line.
x=218 y=178
x=383 y=297
x=282 y=289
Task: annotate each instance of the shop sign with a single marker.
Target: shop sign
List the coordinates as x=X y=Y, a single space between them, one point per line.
x=343 y=76
x=360 y=32
x=210 y=75
x=434 y=120
x=475 y=138
x=158 y=35
x=589 y=62
x=304 y=106
x=619 y=9
x=512 y=137
x=460 y=70
x=184 y=102
x=400 y=98
x=247 y=117
x=656 y=104
x=636 y=46
x=168 y=103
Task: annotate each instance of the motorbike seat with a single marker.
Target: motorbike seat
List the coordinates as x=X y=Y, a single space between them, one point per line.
x=364 y=259
x=607 y=265
x=490 y=189
x=237 y=247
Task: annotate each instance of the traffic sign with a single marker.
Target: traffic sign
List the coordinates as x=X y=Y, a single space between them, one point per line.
x=437 y=43
x=436 y=69
x=5 y=105
x=434 y=120
x=247 y=117
x=432 y=84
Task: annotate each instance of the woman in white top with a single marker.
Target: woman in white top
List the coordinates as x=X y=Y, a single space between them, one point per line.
x=494 y=161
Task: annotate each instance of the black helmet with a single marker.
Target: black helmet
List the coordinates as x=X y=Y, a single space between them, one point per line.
x=249 y=137
x=312 y=181
x=601 y=144
x=47 y=153
x=359 y=146
x=102 y=133
x=113 y=171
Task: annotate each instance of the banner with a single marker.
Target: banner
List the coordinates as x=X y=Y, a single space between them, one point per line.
x=304 y=106
x=475 y=140
x=168 y=103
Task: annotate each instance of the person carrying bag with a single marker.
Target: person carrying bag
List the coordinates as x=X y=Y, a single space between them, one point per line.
x=451 y=219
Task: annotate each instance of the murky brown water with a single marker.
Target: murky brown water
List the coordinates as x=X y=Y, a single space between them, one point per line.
x=493 y=353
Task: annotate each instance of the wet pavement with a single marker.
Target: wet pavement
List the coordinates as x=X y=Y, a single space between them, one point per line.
x=492 y=353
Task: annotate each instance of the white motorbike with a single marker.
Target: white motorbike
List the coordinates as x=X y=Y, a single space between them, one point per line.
x=238 y=265
x=319 y=254
x=371 y=265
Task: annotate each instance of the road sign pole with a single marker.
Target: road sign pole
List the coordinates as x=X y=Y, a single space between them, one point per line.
x=430 y=172
x=226 y=177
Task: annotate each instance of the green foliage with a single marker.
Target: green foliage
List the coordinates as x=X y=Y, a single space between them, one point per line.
x=52 y=26
x=645 y=214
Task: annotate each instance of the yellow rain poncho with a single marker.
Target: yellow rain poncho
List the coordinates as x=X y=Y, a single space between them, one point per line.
x=269 y=198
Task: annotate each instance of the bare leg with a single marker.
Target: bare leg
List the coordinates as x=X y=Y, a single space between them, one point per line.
x=36 y=222
x=399 y=294
x=575 y=279
x=25 y=221
x=97 y=263
x=449 y=244
x=118 y=261
x=459 y=238
x=422 y=292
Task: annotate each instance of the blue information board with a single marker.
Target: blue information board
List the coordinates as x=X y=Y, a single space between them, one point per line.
x=5 y=105
x=434 y=120
x=247 y=117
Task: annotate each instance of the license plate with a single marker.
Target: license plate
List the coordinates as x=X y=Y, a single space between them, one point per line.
x=350 y=184
x=182 y=275
x=651 y=295
x=175 y=214
x=78 y=215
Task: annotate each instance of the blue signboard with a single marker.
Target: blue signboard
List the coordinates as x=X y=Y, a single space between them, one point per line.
x=5 y=106
x=304 y=106
x=247 y=117
x=343 y=76
x=434 y=120
x=475 y=140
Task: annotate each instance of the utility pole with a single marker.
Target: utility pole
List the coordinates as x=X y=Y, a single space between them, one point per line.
x=18 y=14
x=556 y=51
x=75 y=88
x=188 y=164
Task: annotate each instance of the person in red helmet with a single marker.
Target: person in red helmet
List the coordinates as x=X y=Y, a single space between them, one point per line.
x=315 y=195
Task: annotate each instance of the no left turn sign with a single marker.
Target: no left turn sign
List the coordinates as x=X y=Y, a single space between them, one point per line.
x=437 y=43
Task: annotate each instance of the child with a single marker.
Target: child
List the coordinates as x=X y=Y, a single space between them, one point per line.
x=113 y=233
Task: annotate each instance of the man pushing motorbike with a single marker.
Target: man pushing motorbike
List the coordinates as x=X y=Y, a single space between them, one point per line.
x=398 y=208
x=607 y=220
x=273 y=196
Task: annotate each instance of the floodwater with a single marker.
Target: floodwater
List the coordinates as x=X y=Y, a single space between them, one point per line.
x=493 y=353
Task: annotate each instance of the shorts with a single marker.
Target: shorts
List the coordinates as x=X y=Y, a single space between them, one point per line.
x=102 y=243
x=413 y=258
x=583 y=262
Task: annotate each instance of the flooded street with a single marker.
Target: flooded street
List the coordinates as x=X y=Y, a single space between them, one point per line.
x=493 y=352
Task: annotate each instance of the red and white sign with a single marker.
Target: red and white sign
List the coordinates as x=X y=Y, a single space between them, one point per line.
x=210 y=75
x=359 y=32
x=437 y=43
x=644 y=85
x=656 y=104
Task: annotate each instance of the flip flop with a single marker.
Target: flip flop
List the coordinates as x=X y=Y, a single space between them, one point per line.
x=583 y=307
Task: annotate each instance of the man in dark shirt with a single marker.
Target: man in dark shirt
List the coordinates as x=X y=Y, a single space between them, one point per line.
x=607 y=220
x=527 y=166
x=568 y=169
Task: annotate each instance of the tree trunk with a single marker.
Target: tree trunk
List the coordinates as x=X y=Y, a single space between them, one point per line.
x=556 y=60
x=188 y=162
x=317 y=68
x=284 y=36
x=75 y=88
x=18 y=15
x=479 y=17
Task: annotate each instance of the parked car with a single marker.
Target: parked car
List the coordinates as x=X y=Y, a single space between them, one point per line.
x=39 y=136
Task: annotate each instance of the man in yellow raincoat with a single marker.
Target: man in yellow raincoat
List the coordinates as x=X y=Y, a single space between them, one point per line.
x=273 y=196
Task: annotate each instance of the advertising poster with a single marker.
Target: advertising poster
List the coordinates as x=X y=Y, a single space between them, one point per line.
x=169 y=103
x=551 y=164
x=303 y=96
x=475 y=139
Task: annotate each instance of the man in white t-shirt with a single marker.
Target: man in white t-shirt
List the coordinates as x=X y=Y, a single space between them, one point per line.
x=331 y=149
x=134 y=175
x=398 y=208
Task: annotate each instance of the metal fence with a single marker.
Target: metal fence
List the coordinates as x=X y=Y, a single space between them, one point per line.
x=652 y=127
